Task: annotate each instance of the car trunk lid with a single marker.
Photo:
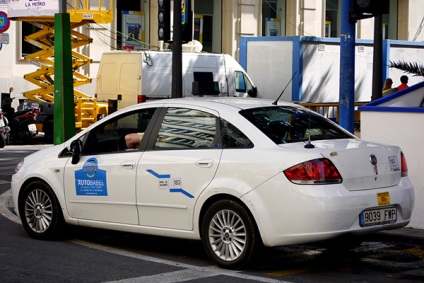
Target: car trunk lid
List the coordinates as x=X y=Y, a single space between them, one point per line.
x=362 y=165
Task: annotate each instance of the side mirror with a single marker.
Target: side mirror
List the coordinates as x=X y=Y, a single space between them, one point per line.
x=253 y=92
x=76 y=147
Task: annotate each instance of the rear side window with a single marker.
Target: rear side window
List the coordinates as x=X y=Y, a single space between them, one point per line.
x=286 y=124
x=232 y=137
x=187 y=129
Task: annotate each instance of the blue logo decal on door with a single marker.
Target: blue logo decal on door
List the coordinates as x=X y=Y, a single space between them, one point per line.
x=90 y=180
x=164 y=183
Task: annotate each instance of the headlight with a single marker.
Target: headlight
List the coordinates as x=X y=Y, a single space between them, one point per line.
x=19 y=166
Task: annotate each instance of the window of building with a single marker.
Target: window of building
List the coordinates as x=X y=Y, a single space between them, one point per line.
x=26 y=30
x=390 y=21
x=331 y=18
x=208 y=23
x=273 y=17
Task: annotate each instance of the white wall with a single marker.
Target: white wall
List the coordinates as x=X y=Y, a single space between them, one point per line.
x=401 y=124
x=275 y=61
x=404 y=130
x=270 y=65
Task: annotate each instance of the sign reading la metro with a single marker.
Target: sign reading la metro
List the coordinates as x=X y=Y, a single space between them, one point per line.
x=32 y=8
x=35 y=3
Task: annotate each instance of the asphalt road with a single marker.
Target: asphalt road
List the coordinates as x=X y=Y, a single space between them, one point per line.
x=92 y=255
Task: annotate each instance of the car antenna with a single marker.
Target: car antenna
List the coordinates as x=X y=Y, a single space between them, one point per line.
x=309 y=144
x=276 y=101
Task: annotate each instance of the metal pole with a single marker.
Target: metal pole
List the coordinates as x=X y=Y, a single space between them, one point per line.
x=64 y=114
x=377 y=76
x=347 y=69
x=177 y=60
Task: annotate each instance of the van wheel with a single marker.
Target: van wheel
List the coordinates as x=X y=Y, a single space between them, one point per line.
x=229 y=235
x=40 y=211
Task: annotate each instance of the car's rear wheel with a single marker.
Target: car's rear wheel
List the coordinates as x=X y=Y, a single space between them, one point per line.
x=229 y=234
x=40 y=211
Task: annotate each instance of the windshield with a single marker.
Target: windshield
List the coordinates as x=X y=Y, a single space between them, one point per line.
x=286 y=124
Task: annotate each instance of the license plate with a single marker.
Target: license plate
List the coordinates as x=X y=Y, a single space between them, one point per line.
x=379 y=216
x=32 y=128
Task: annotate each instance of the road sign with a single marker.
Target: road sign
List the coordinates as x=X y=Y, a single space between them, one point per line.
x=4 y=38
x=4 y=22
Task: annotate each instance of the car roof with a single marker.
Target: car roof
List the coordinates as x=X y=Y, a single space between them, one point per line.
x=215 y=102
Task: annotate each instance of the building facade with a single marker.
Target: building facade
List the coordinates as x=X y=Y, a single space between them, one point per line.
x=218 y=25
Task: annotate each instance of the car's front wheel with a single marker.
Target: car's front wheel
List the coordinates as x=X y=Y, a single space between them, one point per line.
x=40 y=211
x=229 y=234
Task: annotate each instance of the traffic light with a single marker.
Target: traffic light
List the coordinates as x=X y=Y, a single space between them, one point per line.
x=362 y=9
x=164 y=20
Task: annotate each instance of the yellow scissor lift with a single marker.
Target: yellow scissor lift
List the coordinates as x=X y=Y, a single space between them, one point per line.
x=87 y=109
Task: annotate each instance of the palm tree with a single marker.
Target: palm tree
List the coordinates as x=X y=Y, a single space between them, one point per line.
x=408 y=67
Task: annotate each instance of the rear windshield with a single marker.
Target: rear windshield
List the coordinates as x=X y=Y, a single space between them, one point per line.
x=286 y=124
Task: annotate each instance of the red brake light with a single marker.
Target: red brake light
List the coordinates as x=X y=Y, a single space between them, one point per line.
x=141 y=98
x=403 y=166
x=317 y=171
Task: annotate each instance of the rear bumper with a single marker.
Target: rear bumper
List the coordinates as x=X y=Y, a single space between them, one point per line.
x=291 y=214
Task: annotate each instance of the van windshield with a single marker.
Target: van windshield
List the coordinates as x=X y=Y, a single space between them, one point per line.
x=287 y=124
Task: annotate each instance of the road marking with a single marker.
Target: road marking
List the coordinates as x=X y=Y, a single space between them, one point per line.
x=169 y=277
x=191 y=272
x=4 y=199
x=208 y=271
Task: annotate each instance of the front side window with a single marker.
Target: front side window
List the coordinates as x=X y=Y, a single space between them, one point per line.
x=187 y=129
x=287 y=124
x=115 y=135
x=242 y=82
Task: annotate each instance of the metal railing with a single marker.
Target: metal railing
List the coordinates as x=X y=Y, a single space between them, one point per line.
x=331 y=109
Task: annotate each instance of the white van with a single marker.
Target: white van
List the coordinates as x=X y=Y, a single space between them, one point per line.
x=130 y=77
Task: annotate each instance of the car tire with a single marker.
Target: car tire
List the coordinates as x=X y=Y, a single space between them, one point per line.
x=40 y=212
x=230 y=235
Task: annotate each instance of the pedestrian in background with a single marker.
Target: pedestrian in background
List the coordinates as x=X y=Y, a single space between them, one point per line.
x=404 y=82
x=387 y=88
x=387 y=84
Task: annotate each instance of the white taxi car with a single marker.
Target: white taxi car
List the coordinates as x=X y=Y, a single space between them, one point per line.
x=236 y=173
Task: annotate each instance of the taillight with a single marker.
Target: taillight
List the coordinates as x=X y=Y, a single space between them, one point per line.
x=403 y=165
x=141 y=98
x=313 y=172
x=1 y=115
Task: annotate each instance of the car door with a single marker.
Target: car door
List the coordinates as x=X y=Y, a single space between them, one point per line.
x=101 y=186
x=181 y=160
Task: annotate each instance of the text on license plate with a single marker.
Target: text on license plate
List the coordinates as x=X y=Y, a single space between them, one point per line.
x=378 y=216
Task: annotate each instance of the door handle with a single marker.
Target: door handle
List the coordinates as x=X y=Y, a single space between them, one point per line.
x=204 y=163
x=128 y=165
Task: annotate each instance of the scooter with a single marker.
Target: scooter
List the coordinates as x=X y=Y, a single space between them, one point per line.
x=22 y=126
x=4 y=130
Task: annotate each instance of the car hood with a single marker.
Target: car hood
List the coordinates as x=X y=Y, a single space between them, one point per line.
x=363 y=165
x=44 y=154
